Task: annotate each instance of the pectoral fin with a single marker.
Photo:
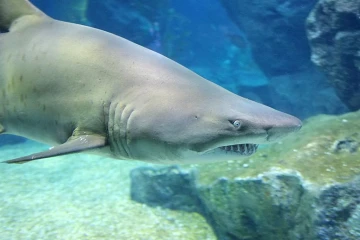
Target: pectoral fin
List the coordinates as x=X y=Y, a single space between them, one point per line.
x=73 y=145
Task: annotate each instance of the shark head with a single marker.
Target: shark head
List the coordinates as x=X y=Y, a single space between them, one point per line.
x=200 y=124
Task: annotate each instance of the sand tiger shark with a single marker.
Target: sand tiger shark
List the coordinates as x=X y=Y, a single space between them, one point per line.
x=79 y=88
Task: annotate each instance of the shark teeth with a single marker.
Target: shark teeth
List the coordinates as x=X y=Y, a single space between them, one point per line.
x=243 y=149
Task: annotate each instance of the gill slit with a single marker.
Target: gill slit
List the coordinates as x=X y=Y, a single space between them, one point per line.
x=113 y=128
x=111 y=131
x=116 y=130
x=123 y=133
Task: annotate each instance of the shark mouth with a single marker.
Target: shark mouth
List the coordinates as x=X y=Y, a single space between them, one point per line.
x=242 y=149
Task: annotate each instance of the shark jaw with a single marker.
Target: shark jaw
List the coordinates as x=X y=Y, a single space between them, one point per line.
x=218 y=154
x=240 y=149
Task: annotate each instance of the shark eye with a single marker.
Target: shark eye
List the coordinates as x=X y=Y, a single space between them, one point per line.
x=237 y=124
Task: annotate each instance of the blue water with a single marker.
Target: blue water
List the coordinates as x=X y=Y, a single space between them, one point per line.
x=201 y=35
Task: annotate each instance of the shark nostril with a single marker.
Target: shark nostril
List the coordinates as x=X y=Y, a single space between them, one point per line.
x=277 y=132
x=267 y=128
x=298 y=124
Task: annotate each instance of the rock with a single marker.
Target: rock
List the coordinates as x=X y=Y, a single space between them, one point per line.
x=302 y=188
x=276 y=31
x=148 y=187
x=305 y=94
x=339 y=212
x=333 y=29
x=265 y=207
x=347 y=144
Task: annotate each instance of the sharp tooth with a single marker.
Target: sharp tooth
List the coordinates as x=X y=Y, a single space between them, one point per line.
x=242 y=148
x=252 y=148
x=255 y=148
x=238 y=148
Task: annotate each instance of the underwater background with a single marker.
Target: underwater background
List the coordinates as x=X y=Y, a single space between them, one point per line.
x=298 y=56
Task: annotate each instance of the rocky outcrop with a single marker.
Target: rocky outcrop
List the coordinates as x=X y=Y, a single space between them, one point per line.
x=338 y=214
x=258 y=198
x=269 y=206
x=333 y=29
x=277 y=205
x=276 y=31
x=179 y=193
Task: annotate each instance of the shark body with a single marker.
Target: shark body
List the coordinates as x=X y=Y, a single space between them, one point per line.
x=83 y=89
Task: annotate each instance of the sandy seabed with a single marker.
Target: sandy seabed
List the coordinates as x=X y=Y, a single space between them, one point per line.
x=82 y=196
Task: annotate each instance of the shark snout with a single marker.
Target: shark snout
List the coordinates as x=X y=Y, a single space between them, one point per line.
x=283 y=128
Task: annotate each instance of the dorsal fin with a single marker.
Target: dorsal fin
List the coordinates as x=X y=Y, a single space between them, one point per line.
x=10 y=10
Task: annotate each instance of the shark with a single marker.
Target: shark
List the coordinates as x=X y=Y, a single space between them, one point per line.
x=81 y=89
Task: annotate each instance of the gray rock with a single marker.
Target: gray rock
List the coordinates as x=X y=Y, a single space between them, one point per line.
x=276 y=31
x=277 y=205
x=264 y=208
x=338 y=214
x=169 y=187
x=333 y=29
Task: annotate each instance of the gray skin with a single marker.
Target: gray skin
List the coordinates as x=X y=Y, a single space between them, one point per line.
x=63 y=83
